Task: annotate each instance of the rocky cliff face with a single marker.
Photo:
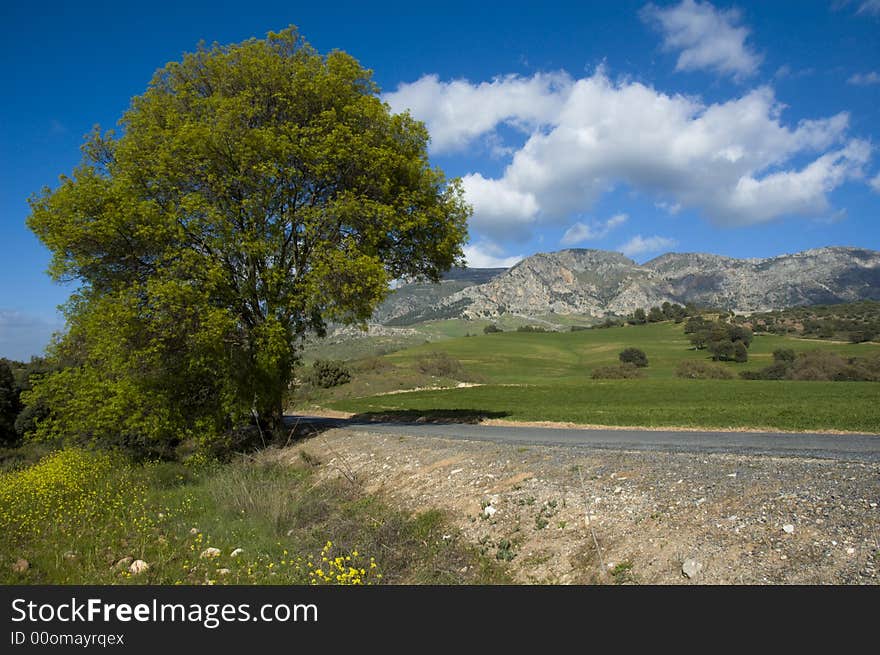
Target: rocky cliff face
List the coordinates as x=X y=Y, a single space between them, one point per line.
x=601 y=283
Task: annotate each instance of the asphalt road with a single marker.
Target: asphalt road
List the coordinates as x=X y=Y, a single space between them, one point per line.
x=854 y=447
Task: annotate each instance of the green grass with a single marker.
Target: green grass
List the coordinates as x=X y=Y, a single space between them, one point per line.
x=852 y=406
x=555 y=369
x=73 y=514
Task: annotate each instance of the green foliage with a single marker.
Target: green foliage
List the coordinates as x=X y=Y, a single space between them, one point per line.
x=327 y=374
x=699 y=370
x=783 y=355
x=634 y=356
x=75 y=515
x=624 y=371
x=638 y=317
x=856 y=322
x=533 y=328
x=492 y=329
x=9 y=405
x=256 y=191
x=441 y=365
x=819 y=365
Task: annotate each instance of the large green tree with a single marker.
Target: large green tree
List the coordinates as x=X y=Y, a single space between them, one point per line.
x=254 y=192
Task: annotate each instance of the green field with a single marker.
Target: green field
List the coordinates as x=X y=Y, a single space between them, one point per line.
x=532 y=377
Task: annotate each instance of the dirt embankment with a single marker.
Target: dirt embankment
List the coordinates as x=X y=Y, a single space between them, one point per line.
x=571 y=515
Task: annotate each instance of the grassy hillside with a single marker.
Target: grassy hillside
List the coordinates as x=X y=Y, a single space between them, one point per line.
x=555 y=369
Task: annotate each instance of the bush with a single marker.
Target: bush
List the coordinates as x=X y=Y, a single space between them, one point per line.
x=328 y=373
x=785 y=355
x=723 y=350
x=616 y=372
x=740 y=353
x=492 y=329
x=531 y=328
x=374 y=364
x=440 y=365
x=697 y=370
x=634 y=356
x=820 y=365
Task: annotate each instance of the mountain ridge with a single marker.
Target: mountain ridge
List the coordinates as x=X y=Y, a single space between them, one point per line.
x=602 y=283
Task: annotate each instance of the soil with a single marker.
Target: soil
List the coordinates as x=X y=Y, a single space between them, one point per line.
x=570 y=515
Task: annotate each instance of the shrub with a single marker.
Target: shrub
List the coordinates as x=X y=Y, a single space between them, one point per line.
x=740 y=353
x=634 y=356
x=439 y=364
x=492 y=329
x=697 y=370
x=531 y=328
x=820 y=365
x=616 y=372
x=328 y=373
x=783 y=355
x=374 y=364
x=722 y=349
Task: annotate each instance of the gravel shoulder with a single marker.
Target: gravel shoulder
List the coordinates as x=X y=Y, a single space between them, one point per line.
x=573 y=515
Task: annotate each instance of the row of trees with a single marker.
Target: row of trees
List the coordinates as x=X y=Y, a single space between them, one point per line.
x=665 y=312
x=856 y=322
x=255 y=192
x=725 y=341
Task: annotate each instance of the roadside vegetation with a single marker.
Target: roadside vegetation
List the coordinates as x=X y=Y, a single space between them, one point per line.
x=77 y=516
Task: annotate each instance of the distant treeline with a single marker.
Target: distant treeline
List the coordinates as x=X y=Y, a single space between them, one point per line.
x=855 y=322
x=16 y=419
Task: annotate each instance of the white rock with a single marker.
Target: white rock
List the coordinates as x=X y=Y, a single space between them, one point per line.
x=850 y=551
x=788 y=528
x=210 y=553
x=691 y=568
x=489 y=511
x=123 y=563
x=138 y=566
x=223 y=571
x=236 y=552
x=193 y=530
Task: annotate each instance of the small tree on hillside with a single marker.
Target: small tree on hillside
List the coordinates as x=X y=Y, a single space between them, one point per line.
x=634 y=356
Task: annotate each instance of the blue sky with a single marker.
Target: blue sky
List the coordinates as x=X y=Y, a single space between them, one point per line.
x=747 y=129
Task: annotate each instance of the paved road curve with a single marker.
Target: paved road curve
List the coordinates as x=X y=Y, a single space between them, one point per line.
x=860 y=447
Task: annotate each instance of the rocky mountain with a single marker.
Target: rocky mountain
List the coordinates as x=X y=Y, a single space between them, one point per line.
x=414 y=302
x=600 y=283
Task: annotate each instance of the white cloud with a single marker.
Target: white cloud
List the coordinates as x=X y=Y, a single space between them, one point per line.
x=735 y=162
x=486 y=254
x=706 y=37
x=640 y=245
x=864 y=79
x=580 y=232
x=458 y=111
x=496 y=203
x=871 y=7
x=875 y=183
